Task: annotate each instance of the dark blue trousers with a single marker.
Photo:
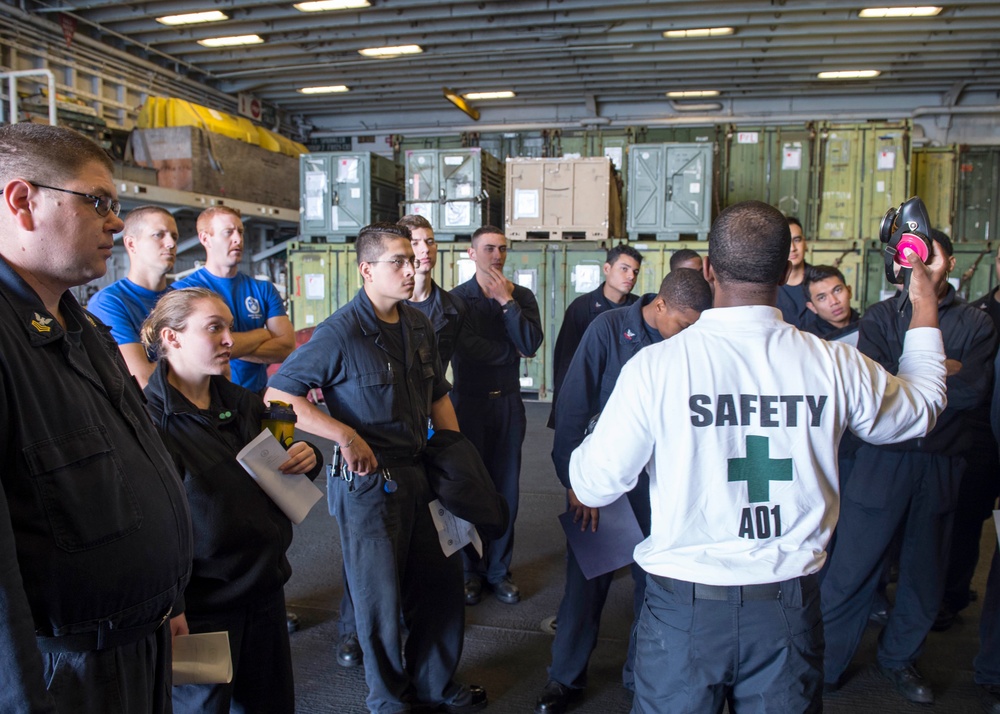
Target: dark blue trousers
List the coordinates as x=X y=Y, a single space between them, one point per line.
x=579 y=617
x=759 y=656
x=262 y=662
x=408 y=599
x=129 y=679
x=497 y=428
x=889 y=490
x=987 y=662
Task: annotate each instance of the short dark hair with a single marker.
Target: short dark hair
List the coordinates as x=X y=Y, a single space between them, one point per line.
x=816 y=273
x=622 y=249
x=682 y=255
x=686 y=289
x=371 y=240
x=749 y=243
x=793 y=221
x=414 y=220
x=486 y=231
x=137 y=216
x=944 y=240
x=47 y=154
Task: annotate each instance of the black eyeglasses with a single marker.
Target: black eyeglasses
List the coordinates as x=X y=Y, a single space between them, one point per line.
x=102 y=204
x=398 y=263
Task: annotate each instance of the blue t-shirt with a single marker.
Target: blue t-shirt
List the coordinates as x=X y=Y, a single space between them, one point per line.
x=123 y=306
x=253 y=303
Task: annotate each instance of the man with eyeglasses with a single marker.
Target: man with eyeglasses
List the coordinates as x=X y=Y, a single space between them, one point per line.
x=791 y=299
x=445 y=314
x=150 y=239
x=263 y=334
x=95 y=534
x=502 y=325
x=377 y=362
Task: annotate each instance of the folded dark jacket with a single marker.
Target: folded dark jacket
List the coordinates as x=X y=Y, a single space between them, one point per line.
x=458 y=477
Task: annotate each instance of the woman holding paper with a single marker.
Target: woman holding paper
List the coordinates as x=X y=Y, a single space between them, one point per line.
x=240 y=535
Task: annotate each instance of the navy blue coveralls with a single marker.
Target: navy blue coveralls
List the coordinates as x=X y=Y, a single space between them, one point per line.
x=403 y=587
x=580 y=313
x=610 y=341
x=487 y=399
x=446 y=315
x=914 y=484
x=95 y=535
x=792 y=303
x=987 y=662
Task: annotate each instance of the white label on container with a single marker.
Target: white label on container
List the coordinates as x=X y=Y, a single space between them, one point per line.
x=525 y=203
x=458 y=214
x=310 y=319
x=422 y=209
x=355 y=193
x=615 y=154
x=466 y=269
x=421 y=160
x=573 y=155
x=791 y=158
x=527 y=382
x=526 y=278
x=315 y=182
x=880 y=187
x=886 y=160
x=347 y=171
x=315 y=286
x=454 y=160
x=314 y=208
x=694 y=187
x=586 y=278
x=747 y=137
x=463 y=190
x=335 y=218
x=644 y=154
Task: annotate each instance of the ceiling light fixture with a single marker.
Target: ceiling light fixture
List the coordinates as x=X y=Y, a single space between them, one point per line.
x=324 y=90
x=882 y=12
x=699 y=32
x=193 y=18
x=850 y=74
x=231 y=41
x=460 y=102
x=693 y=93
x=323 y=5
x=396 y=51
x=506 y=94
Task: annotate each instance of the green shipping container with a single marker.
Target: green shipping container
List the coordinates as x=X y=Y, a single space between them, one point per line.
x=341 y=192
x=935 y=180
x=977 y=210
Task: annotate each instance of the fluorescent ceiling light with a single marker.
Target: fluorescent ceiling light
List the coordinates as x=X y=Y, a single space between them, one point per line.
x=693 y=93
x=507 y=94
x=922 y=11
x=391 y=51
x=231 y=41
x=193 y=18
x=700 y=32
x=321 y=5
x=324 y=90
x=850 y=74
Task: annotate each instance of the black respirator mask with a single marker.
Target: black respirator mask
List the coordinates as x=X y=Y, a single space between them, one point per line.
x=905 y=227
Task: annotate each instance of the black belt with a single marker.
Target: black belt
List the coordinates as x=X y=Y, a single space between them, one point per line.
x=487 y=393
x=400 y=461
x=104 y=637
x=725 y=593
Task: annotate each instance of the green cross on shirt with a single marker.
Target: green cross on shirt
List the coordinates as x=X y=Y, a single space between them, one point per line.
x=758 y=470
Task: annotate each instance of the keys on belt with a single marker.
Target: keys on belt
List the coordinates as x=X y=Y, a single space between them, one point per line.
x=338 y=467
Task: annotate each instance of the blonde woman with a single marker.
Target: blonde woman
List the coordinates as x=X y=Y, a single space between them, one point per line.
x=240 y=535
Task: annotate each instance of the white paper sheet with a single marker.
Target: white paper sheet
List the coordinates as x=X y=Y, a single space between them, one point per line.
x=454 y=533
x=203 y=658
x=294 y=494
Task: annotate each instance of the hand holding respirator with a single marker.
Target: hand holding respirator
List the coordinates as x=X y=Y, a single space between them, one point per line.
x=905 y=227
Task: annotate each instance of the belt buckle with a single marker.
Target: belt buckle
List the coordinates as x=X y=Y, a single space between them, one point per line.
x=494 y=394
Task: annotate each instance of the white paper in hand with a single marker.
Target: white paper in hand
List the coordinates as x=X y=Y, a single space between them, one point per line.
x=294 y=494
x=202 y=659
x=454 y=533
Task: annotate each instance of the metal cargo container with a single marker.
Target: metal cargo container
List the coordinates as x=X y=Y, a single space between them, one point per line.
x=321 y=278
x=977 y=210
x=669 y=191
x=344 y=191
x=935 y=178
x=563 y=198
x=774 y=165
x=457 y=190
x=864 y=171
